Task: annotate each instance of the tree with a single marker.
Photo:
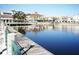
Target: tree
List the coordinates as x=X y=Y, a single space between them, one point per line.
x=19 y=15
x=14 y=11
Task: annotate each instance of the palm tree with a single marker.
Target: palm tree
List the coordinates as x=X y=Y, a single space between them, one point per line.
x=19 y=15
x=14 y=11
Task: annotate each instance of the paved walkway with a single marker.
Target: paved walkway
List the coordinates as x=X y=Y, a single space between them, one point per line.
x=28 y=46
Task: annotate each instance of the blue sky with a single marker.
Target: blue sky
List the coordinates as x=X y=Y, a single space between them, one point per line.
x=45 y=9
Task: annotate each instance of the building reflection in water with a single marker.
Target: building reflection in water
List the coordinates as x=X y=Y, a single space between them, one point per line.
x=56 y=27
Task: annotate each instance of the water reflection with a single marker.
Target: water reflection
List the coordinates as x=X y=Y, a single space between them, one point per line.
x=57 y=27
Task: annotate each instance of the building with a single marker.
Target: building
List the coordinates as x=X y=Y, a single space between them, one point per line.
x=33 y=17
x=76 y=19
x=6 y=16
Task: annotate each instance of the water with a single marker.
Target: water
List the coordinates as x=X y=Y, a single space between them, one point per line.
x=59 y=39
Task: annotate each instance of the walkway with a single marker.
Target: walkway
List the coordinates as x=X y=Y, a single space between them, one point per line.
x=28 y=46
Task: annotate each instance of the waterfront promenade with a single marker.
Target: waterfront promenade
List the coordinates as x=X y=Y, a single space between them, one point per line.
x=28 y=47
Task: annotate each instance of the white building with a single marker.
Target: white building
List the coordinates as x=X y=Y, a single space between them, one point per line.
x=76 y=19
x=6 y=16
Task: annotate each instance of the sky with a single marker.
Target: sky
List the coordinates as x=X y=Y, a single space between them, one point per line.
x=45 y=9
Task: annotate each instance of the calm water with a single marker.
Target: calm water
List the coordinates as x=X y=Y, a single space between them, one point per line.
x=58 y=39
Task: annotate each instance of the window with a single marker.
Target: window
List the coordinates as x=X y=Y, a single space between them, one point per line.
x=7 y=13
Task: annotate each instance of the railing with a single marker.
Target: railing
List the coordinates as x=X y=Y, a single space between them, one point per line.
x=2 y=38
x=19 y=22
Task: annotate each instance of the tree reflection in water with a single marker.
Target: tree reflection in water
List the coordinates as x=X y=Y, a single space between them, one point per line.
x=21 y=30
x=58 y=27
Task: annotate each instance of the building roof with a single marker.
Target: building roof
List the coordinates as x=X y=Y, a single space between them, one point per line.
x=33 y=14
x=28 y=14
x=36 y=14
x=6 y=16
